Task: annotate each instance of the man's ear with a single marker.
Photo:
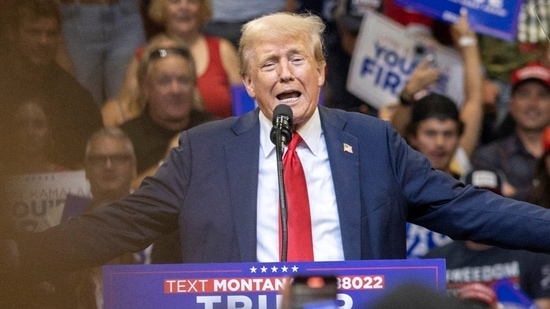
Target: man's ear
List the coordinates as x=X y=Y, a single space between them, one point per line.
x=321 y=71
x=247 y=82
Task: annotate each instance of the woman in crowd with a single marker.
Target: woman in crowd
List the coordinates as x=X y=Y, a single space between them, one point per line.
x=31 y=140
x=216 y=58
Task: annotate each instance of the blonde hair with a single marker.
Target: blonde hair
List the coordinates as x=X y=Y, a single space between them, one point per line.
x=157 y=11
x=308 y=27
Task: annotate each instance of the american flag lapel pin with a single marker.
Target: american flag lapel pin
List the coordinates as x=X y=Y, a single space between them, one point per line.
x=347 y=148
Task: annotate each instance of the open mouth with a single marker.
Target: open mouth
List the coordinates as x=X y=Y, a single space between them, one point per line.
x=289 y=97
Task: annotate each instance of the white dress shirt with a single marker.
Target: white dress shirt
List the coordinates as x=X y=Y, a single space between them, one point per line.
x=327 y=238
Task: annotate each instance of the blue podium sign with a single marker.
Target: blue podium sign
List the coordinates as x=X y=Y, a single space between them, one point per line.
x=258 y=285
x=495 y=18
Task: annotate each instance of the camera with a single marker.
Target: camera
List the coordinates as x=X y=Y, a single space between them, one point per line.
x=314 y=292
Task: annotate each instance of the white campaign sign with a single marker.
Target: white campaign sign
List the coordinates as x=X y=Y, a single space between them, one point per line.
x=385 y=55
x=36 y=201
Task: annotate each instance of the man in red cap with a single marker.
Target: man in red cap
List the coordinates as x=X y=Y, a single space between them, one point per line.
x=516 y=155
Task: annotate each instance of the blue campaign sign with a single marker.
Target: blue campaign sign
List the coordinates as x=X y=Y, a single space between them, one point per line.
x=498 y=18
x=258 y=285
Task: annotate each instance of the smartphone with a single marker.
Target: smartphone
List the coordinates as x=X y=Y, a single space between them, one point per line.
x=314 y=292
x=422 y=51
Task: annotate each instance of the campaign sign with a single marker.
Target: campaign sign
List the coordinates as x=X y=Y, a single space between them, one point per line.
x=498 y=18
x=258 y=285
x=385 y=55
x=37 y=201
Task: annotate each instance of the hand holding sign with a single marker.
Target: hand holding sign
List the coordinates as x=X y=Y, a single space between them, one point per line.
x=461 y=33
x=385 y=56
x=494 y=18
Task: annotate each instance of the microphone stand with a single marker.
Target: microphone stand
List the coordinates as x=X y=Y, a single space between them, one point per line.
x=279 y=146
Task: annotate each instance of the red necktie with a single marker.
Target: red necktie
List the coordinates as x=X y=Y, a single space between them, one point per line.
x=300 y=244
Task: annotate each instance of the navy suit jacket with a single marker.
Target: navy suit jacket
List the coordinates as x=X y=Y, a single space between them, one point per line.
x=208 y=189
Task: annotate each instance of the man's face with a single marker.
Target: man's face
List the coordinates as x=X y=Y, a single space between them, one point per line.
x=168 y=88
x=110 y=168
x=284 y=71
x=37 y=39
x=530 y=106
x=437 y=140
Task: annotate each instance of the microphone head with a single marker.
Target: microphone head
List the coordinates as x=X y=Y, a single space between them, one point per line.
x=282 y=110
x=282 y=124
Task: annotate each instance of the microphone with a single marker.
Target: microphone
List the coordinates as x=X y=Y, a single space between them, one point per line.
x=280 y=135
x=282 y=122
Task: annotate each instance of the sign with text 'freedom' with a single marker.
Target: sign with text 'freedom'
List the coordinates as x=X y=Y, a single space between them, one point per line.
x=258 y=285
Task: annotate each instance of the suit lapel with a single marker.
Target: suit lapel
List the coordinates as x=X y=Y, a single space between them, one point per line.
x=241 y=155
x=343 y=153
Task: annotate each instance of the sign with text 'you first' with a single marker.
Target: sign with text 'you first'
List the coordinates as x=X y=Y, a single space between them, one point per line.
x=385 y=55
x=258 y=285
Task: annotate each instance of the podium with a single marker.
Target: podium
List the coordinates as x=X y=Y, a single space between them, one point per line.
x=258 y=285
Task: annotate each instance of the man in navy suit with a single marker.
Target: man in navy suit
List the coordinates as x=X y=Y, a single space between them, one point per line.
x=219 y=187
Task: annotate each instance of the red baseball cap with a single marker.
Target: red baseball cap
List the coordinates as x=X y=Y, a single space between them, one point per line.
x=532 y=71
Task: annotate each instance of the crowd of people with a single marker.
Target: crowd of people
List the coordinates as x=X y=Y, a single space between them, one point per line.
x=93 y=87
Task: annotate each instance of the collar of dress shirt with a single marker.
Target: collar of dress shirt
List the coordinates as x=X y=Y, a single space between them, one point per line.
x=311 y=133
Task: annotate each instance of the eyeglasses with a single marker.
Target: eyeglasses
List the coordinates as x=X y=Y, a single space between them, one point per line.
x=97 y=160
x=163 y=52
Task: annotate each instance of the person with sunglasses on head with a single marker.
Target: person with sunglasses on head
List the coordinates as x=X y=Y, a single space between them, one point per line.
x=216 y=60
x=169 y=95
x=168 y=89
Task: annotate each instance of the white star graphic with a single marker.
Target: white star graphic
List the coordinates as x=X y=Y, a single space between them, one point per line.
x=253 y=270
x=284 y=269
x=294 y=268
x=274 y=269
x=264 y=269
